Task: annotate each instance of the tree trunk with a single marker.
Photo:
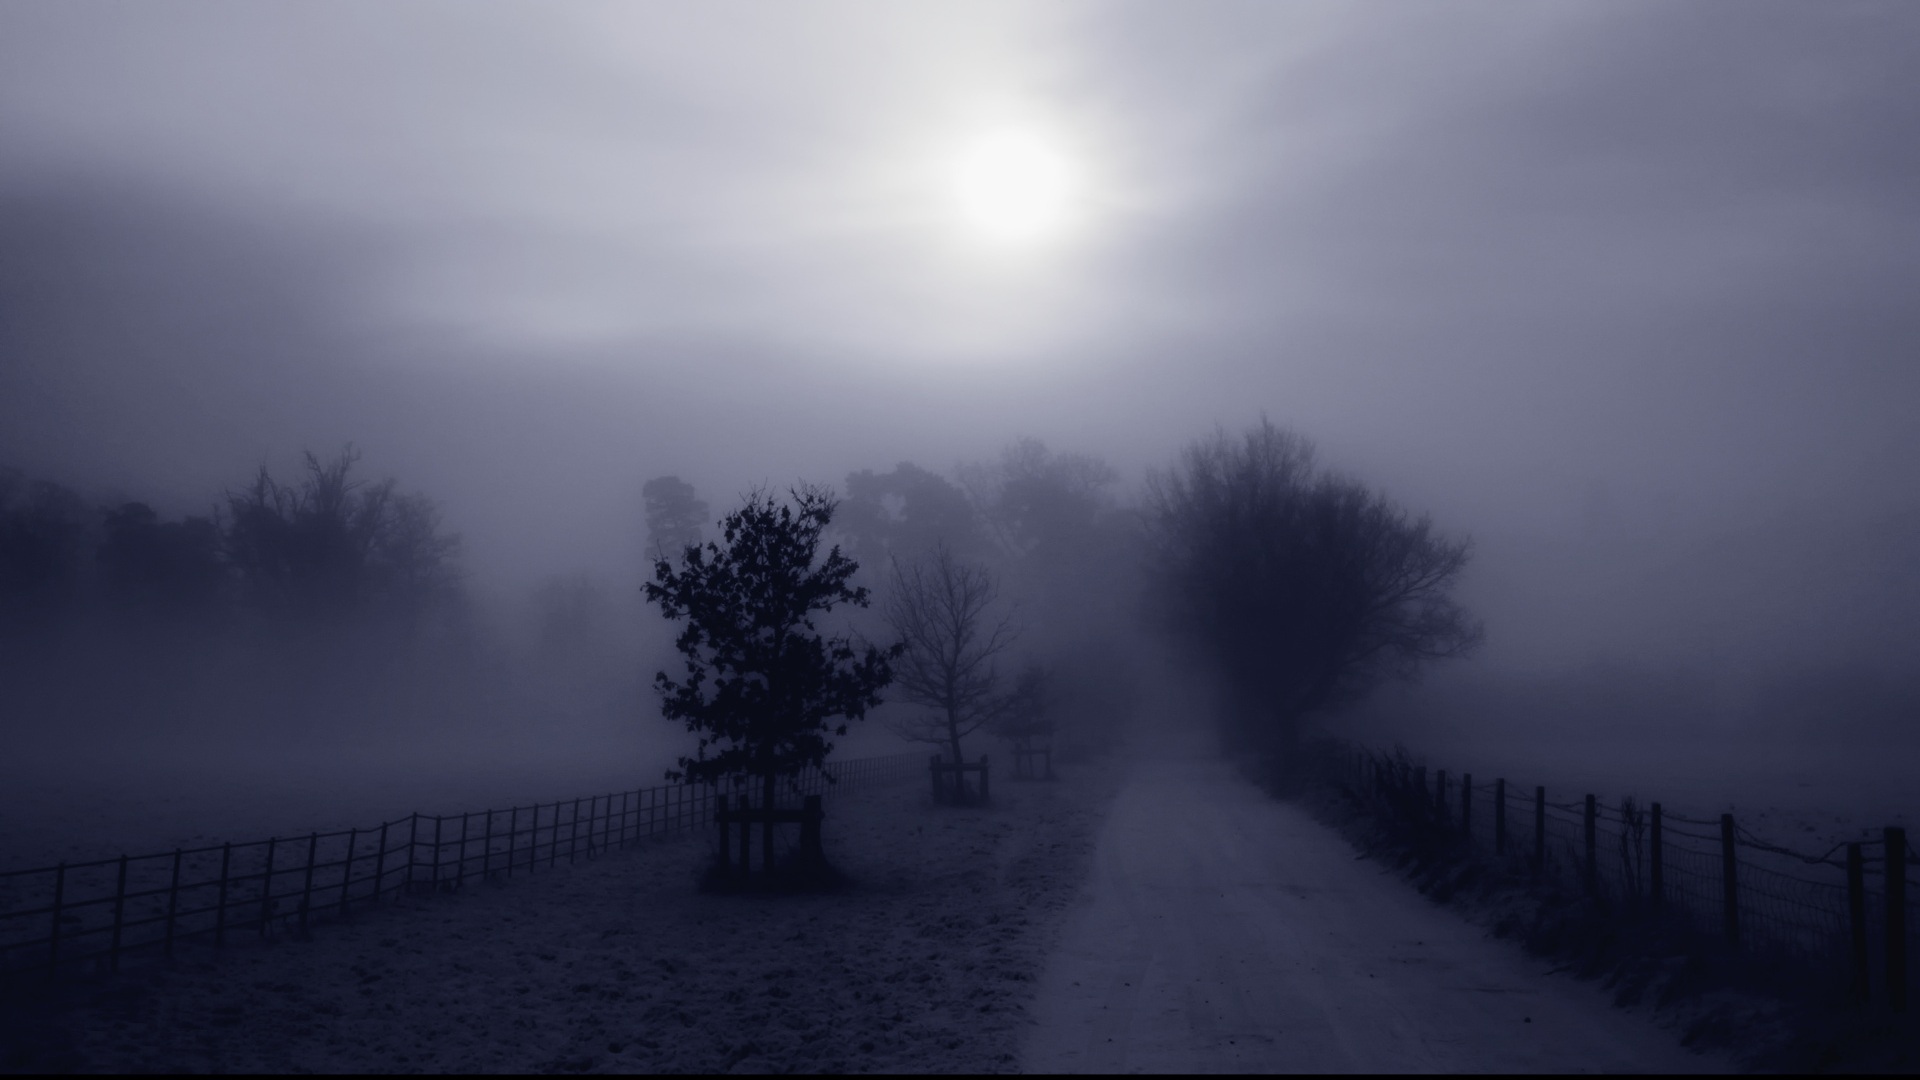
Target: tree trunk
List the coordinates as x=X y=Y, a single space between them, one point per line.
x=953 y=741
x=766 y=858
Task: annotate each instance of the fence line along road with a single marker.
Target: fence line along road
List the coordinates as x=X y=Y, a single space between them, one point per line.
x=1842 y=913
x=91 y=915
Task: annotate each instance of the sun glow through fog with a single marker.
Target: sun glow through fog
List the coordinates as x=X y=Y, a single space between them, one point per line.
x=1014 y=188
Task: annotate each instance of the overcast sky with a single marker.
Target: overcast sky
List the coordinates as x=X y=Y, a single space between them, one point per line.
x=1540 y=268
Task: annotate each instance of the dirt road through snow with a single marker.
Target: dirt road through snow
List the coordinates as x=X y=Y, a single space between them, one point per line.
x=1224 y=931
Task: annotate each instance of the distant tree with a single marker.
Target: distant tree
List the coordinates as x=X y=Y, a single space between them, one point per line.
x=763 y=684
x=942 y=611
x=675 y=516
x=574 y=616
x=160 y=567
x=905 y=513
x=330 y=545
x=1027 y=717
x=1039 y=504
x=43 y=532
x=1304 y=589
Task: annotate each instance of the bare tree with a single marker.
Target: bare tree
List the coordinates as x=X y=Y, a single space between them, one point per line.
x=331 y=545
x=941 y=610
x=1303 y=589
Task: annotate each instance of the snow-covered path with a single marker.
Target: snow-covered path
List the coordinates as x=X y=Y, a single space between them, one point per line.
x=1224 y=931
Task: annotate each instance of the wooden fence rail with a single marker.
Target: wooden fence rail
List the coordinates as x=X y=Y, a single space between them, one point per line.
x=90 y=915
x=1751 y=894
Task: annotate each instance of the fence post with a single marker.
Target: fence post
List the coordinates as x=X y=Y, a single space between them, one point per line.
x=173 y=901
x=346 y=870
x=1857 y=920
x=306 y=887
x=460 y=858
x=380 y=866
x=513 y=833
x=413 y=838
x=1500 y=816
x=1539 y=829
x=59 y=901
x=220 y=909
x=119 y=916
x=553 y=847
x=438 y=821
x=1466 y=806
x=1729 y=880
x=486 y=849
x=746 y=836
x=266 y=889
x=1657 y=877
x=573 y=833
x=1590 y=873
x=1896 y=839
x=810 y=829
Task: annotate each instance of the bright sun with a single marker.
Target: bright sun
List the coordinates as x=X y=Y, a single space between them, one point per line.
x=1013 y=188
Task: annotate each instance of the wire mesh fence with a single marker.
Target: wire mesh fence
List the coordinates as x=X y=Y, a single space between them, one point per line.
x=1842 y=913
x=92 y=915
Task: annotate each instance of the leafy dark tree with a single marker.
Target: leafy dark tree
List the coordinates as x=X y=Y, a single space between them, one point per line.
x=331 y=546
x=675 y=516
x=763 y=684
x=43 y=532
x=1305 y=589
x=905 y=513
x=942 y=611
x=160 y=567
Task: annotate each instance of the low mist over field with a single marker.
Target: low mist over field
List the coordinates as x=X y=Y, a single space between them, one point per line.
x=1621 y=295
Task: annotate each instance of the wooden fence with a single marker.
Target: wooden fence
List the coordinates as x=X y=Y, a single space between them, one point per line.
x=92 y=915
x=1843 y=913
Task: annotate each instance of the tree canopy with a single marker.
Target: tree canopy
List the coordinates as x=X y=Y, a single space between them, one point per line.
x=330 y=545
x=1303 y=588
x=763 y=683
x=675 y=515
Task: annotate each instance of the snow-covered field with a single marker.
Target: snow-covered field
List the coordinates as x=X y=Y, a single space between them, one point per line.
x=925 y=963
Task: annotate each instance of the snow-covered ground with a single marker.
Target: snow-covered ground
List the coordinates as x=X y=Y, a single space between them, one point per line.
x=926 y=963
x=1226 y=932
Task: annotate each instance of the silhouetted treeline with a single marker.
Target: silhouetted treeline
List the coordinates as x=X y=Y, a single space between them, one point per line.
x=320 y=604
x=323 y=546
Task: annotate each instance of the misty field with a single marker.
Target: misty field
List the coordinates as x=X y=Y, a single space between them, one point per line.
x=922 y=963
